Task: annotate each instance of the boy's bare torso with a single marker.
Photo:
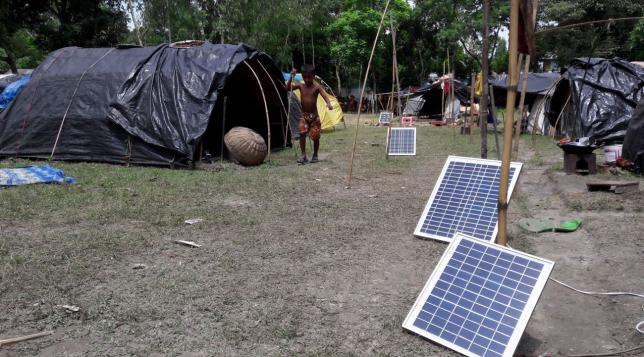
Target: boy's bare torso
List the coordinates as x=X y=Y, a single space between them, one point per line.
x=309 y=98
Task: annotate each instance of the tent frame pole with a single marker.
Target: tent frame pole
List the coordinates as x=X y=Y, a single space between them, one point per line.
x=268 y=120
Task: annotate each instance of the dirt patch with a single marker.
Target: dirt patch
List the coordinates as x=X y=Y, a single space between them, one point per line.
x=291 y=263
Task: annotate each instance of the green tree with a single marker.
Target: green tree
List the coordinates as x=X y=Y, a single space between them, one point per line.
x=15 y=16
x=598 y=40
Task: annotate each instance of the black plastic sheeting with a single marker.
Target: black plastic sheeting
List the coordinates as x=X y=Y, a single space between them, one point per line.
x=427 y=100
x=633 y=148
x=603 y=96
x=152 y=105
x=538 y=85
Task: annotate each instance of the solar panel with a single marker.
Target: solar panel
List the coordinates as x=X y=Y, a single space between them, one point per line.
x=385 y=117
x=465 y=199
x=479 y=298
x=401 y=141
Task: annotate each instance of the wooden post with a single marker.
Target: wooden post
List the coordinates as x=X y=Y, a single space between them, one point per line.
x=442 y=82
x=471 y=119
x=399 y=105
x=494 y=124
x=223 y=132
x=485 y=68
x=524 y=87
x=502 y=238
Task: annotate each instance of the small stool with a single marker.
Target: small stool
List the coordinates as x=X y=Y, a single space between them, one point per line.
x=580 y=164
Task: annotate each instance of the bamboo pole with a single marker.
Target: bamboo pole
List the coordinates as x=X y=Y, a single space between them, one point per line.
x=483 y=104
x=364 y=84
x=277 y=93
x=223 y=132
x=549 y=92
x=495 y=124
x=519 y=124
x=443 y=93
x=502 y=238
x=393 y=35
x=9 y=341
x=268 y=119
x=563 y=109
x=471 y=119
x=71 y=100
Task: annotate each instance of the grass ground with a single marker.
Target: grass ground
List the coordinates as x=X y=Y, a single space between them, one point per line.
x=292 y=261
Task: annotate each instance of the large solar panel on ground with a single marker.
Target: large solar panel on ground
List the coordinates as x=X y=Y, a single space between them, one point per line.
x=401 y=141
x=465 y=199
x=479 y=298
x=385 y=117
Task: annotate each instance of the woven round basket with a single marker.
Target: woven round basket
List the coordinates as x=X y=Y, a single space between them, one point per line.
x=246 y=146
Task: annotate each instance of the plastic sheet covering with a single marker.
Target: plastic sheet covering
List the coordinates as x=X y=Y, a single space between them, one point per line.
x=11 y=91
x=633 y=149
x=148 y=105
x=603 y=96
x=168 y=99
x=33 y=174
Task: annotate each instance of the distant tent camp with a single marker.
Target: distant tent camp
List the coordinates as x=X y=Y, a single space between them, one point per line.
x=539 y=88
x=158 y=105
x=328 y=118
x=597 y=97
x=426 y=102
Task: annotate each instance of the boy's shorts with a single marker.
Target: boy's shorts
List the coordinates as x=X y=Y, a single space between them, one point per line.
x=310 y=124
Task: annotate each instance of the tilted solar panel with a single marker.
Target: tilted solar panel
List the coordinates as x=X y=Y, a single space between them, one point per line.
x=465 y=199
x=401 y=141
x=479 y=298
x=385 y=117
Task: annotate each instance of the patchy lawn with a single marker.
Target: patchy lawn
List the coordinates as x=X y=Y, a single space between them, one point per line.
x=291 y=262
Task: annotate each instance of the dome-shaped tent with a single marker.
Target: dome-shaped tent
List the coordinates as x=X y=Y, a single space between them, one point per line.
x=143 y=105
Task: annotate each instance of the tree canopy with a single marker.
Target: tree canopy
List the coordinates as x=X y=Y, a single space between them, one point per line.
x=335 y=35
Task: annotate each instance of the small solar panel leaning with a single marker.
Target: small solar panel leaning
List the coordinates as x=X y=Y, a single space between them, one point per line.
x=385 y=117
x=479 y=298
x=465 y=199
x=401 y=142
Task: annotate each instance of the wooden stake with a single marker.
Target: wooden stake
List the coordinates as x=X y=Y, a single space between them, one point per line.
x=442 y=81
x=502 y=238
x=519 y=125
x=9 y=341
x=364 y=84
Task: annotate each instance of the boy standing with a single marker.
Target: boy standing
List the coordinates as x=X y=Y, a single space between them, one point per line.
x=309 y=119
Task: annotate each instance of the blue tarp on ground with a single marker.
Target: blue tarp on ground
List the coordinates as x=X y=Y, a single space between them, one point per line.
x=33 y=174
x=11 y=91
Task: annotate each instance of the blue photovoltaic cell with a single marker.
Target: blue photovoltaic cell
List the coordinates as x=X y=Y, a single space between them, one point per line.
x=479 y=297
x=385 y=117
x=466 y=200
x=402 y=141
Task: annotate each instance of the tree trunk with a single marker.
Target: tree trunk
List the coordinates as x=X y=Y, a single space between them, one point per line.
x=134 y=22
x=11 y=61
x=337 y=76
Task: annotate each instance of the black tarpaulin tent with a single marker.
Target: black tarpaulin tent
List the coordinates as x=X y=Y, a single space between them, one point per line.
x=597 y=97
x=427 y=100
x=633 y=149
x=143 y=105
x=539 y=88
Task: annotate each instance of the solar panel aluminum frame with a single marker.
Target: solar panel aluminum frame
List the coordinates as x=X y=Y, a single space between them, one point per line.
x=452 y=158
x=389 y=134
x=385 y=117
x=511 y=346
